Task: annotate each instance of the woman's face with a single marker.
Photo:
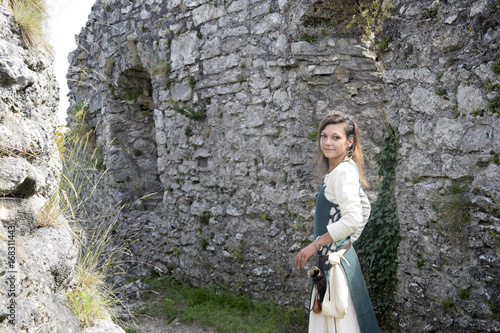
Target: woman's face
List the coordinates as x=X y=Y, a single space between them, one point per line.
x=334 y=143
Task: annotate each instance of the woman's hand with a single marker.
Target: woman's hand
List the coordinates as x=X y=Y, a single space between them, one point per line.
x=304 y=255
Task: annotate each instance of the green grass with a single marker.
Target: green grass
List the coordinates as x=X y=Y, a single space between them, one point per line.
x=495 y=67
x=308 y=38
x=219 y=309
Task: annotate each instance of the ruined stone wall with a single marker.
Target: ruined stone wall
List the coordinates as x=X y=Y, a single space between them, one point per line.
x=211 y=107
x=204 y=112
x=439 y=84
x=36 y=263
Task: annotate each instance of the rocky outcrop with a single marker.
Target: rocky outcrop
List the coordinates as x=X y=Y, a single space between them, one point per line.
x=36 y=263
x=204 y=113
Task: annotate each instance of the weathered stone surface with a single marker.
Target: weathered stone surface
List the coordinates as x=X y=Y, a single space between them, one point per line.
x=225 y=148
x=36 y=264
x=448 y=138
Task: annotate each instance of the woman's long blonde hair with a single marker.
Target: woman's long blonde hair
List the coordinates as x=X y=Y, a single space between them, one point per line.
x=354 y=152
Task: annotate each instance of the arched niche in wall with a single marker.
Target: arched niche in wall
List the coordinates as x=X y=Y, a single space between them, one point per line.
x=131 y=135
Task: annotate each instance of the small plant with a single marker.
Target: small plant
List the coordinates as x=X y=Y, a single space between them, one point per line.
x=192 y=82
x=188 y=132
x=448 y=303
x=441 y=91
x=242 y=64
x=463 y=293
x=99 y=163
x=205 y=217
x=384 y=43
x=478 y=113
x=454 y=207
x=490 y=86
x=494 y=105
x=131 y=94
x=313 y=135
x=494 y=8
x=193 y=114
x=308 y=38
x=495 y=67
x=174 y=104
x=420 y=262
x=415 y=178
x=199 y=35
x=495 y=158
x=240 y=78
x=431 y=12
x=237 y=251
x=494 y=309
x=86 y=306
x=137 y=152
x=203 y=244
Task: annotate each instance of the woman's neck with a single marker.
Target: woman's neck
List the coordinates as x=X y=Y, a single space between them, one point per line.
x=333 y=164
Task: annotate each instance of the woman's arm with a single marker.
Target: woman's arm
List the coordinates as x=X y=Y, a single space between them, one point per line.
x=365 y=204
x=343 y=187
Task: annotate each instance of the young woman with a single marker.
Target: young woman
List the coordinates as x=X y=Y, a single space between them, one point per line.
x=342 y=210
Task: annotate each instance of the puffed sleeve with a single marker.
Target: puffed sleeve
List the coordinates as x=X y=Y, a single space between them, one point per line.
x=342 y=185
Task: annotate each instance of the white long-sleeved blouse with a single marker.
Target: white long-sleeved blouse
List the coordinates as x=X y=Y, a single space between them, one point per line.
x=343 y=187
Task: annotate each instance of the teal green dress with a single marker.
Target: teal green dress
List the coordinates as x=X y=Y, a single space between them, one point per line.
x=359 y=293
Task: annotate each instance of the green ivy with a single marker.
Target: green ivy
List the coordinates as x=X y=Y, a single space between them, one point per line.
x=377 y=247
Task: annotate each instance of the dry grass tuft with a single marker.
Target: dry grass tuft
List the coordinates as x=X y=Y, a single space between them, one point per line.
x=31 y=16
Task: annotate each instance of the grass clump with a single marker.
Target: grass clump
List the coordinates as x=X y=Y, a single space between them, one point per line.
x=31 y=15
x=494 y=105
x=313 y=135
x=454 y=208
x=205 y=217
x=308 y=38
x=446 y=303
x=495 y=67
x=91 y=297
x=222 y=310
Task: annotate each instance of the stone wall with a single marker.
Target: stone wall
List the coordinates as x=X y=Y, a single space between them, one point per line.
x=36 y=263
x=439 y=80
x=204 y=113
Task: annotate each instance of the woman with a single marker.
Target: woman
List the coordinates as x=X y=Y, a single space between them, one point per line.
x=342 y=210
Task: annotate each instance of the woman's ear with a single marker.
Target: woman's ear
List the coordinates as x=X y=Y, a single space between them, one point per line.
x=350 y=141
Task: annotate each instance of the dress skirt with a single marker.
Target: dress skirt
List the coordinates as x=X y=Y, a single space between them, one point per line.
x=359 y=315
x=320 y=323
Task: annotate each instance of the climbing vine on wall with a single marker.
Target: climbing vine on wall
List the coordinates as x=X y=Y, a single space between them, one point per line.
x=377 y=247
